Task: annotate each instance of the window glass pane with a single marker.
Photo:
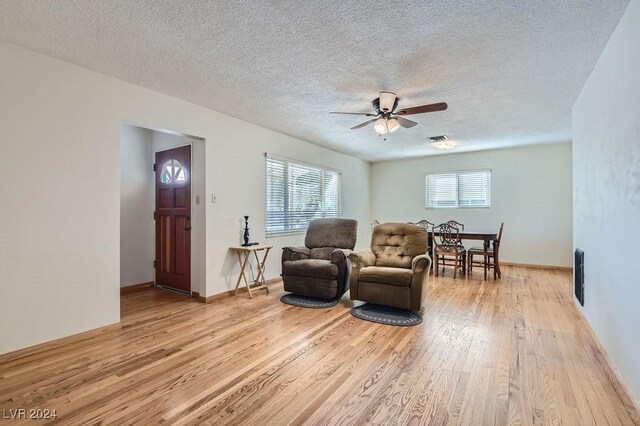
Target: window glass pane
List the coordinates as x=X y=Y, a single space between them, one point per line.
x=459 y=189
x=180 y=175
x=473 y=189
x=172 y=171
x=276 y=195
x=442 y=190
x=297 y=193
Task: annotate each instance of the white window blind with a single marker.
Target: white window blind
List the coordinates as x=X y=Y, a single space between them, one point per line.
x=297 y=193
x=458 y=189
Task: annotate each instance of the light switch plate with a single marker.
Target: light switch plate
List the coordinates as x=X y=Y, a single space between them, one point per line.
x=214 y=199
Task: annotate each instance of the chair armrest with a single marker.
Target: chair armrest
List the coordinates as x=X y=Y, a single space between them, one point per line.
x=359 y=260
x=340 y=255
x=340 y=258
x=421 y=263
x=295 y=253
x=420 y=267
x=362 y=259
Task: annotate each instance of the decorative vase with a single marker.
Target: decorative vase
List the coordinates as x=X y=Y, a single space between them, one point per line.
x=246 y=231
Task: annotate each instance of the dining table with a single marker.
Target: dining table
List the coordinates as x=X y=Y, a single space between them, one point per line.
x=487 y=237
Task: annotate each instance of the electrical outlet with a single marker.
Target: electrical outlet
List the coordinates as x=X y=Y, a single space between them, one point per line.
x=214 y=198
x=197 y=200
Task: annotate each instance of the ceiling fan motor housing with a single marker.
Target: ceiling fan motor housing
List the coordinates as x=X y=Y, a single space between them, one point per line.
x=387 y=101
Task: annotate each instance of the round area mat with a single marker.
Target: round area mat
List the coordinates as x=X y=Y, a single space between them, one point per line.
x=307 y=302
x=386 y=315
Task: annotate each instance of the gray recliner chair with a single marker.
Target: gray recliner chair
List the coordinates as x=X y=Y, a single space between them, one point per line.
x=321 y=268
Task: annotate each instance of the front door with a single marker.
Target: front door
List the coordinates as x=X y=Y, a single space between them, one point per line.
x=173 y=218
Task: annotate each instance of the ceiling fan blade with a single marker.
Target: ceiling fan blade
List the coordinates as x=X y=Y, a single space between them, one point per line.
x=405 y=123
x=366 y=123
x=440 y=106
x=368 y=114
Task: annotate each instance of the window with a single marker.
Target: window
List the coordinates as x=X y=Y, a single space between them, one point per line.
x=172 y=171
x=297 y=193
x=466 y=189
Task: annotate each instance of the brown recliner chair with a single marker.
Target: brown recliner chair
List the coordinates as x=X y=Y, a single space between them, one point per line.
x=395 y=272
x=321 y=268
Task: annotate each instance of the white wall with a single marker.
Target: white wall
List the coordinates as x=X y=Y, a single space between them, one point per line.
x=60 y=216
x=136 y=206
x=161 y=142
x=606 y=158
x=241 y=187
x=530 y=193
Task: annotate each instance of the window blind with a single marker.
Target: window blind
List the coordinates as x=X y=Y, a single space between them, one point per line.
x=458 y=189
x=297 y=193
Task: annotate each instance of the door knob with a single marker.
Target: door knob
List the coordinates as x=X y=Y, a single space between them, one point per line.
x=186 y=228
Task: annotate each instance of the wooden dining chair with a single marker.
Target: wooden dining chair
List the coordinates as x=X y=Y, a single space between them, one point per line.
x=448 y=248
x=424 y=223
x=493 y=260
x=428 y=226
x=456 y=224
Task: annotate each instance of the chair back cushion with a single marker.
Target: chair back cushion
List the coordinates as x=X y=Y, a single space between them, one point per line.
x=396 y=244
x=321 y=253
x=336 y=233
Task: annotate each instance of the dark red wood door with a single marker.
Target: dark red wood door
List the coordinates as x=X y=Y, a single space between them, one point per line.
x=173 y=218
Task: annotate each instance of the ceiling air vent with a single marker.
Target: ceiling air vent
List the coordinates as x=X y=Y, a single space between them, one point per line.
x=438 y=138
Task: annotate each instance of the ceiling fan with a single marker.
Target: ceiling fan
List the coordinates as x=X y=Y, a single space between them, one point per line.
x=387 y=118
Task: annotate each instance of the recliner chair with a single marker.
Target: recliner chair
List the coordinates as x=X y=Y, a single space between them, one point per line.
x=322 y=267
x=396 y=270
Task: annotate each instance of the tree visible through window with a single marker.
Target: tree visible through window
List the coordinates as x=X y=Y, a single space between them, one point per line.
x=297 y=193
x=465 y=189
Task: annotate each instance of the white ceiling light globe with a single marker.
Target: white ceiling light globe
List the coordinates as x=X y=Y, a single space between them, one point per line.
x=393 y=125
x=380 y=126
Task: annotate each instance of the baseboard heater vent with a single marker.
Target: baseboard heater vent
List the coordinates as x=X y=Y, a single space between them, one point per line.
x=578 y=268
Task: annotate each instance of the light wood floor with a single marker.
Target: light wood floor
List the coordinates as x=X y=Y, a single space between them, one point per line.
x=514 y=351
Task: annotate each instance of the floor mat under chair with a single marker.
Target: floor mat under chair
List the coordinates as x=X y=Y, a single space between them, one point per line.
x=386 y=315
x=307 y=302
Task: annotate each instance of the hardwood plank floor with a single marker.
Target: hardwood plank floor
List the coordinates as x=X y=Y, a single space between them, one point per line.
x=515 y=351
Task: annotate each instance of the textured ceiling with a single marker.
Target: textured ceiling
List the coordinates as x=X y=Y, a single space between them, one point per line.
x=510 y=70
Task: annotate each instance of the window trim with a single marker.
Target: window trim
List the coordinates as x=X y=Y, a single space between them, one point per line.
x=457 y=172
x=276 y=157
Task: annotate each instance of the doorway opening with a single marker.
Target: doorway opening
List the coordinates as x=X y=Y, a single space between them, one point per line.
x=162 y=213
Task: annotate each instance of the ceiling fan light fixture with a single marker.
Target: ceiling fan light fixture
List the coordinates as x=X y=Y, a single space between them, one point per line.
x=442 y=143
x=393 y=125
x=387 y=99
x=386 y=119
x=380 y=126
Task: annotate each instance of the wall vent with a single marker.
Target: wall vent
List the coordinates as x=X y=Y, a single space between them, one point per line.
x=578 y=268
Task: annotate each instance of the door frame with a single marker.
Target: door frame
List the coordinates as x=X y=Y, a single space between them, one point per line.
x=198 y=211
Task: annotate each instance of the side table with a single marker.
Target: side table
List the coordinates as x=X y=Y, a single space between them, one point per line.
x=244 y=253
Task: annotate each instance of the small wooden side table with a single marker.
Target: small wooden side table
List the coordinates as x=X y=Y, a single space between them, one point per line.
x=244 y=253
